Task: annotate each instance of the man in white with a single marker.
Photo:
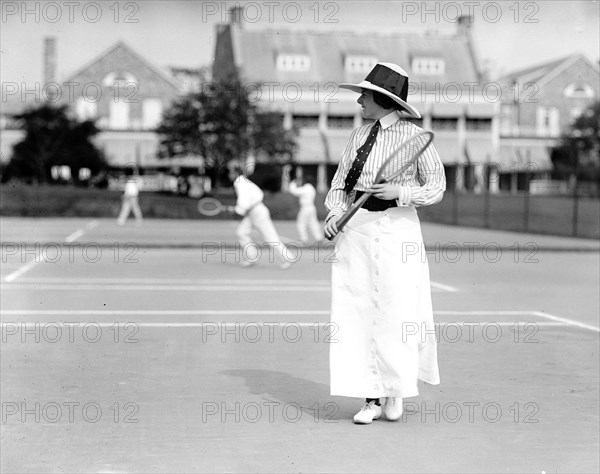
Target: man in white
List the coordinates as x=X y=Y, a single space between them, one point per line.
x=307 y=215
x=255 y=216
x=130 y=201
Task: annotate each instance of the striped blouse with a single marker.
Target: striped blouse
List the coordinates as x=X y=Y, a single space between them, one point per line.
x=422 y=184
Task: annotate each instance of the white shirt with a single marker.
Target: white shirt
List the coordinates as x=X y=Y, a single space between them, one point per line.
x=305 y=193
x=248 y=195
x=131 y=188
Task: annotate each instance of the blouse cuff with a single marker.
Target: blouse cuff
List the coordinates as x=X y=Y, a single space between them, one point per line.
x=333 y=213
x=404 y=196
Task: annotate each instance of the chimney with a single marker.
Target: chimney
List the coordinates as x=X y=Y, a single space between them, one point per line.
x=236 y=16
x=49 y=60
x=50 y=68
x=464 y=25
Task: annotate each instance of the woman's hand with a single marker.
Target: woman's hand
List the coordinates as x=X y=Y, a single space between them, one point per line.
x=385 y=191
x=331 y=229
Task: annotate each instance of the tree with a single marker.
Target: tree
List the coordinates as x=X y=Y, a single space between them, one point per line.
x=269 y=137
x=180 y=129
x=52 y=138
x=222 y=124
x=578 y=154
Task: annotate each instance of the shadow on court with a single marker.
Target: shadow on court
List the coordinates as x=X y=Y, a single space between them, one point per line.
x=289 y=390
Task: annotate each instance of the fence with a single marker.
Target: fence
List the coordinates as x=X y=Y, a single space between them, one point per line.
x=574 y=216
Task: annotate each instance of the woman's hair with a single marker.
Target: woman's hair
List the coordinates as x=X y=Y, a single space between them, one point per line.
x=386 y=102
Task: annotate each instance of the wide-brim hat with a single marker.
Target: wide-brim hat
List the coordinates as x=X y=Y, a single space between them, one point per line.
x=390 y=80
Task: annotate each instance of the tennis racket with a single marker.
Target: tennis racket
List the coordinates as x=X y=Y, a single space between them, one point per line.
x=211 y=207
x=401 y=159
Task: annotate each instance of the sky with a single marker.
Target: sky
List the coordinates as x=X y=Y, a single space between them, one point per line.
x=508 y=35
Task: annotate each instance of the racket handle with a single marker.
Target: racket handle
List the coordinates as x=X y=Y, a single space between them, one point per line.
x=341 y=223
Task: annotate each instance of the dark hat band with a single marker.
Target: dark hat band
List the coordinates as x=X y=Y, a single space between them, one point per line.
x=391 y=81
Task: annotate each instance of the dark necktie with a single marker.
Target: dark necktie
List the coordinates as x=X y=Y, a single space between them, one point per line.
x=360 y=160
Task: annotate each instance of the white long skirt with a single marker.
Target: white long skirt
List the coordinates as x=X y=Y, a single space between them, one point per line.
x=381 y=308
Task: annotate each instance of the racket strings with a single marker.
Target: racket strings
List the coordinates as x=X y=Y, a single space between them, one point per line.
x=396 y=163
x=402 y=165
x=209 y=206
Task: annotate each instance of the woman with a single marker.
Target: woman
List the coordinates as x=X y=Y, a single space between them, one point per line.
x=381 y=297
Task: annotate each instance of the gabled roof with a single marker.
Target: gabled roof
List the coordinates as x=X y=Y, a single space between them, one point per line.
x=533 y=73
x=543 y=72
x=14 y=105
x=255 y=53
x=124 y=51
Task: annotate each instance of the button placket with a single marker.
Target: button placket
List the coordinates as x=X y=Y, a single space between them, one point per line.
x=376 y=246
x=376 y=283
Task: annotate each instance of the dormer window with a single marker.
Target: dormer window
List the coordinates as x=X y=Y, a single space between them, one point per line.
x=359 y=64
x=293 y=62
x=579 y=90
x=428 y=66
x=119 y=79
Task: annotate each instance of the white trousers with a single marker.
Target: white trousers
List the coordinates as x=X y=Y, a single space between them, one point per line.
x=306 y=222
x=259 y=218
x=130 y=203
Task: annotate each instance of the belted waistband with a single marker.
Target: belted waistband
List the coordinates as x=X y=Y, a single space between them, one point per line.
x=374 y=204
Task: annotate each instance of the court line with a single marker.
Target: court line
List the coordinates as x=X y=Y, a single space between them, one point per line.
x=79 y=232
x=486 y=312
x=255 y=288
x=290 y=323
x=241 y=312
x=134 y=312
x=555 y=320
x=24 y=269
x=189 y=281
x=443 y=287
x=570 y=322
x=75 y=235
x=183 y=284
x=39 y=258
x=262 y=311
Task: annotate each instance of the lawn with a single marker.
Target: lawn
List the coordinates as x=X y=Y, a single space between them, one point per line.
x=537 y=214
x=70 y=201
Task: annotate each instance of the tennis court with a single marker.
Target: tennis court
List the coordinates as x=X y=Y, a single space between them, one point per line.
x=148 y=349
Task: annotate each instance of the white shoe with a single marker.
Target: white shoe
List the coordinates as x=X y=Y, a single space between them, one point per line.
x=367 y=414
x=393 y=408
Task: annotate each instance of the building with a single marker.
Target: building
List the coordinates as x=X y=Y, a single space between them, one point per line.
x=542 y=101
x=10 y=133
x=190 y=80
x=296 y=74
x=124 y=93
x=538 y=105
